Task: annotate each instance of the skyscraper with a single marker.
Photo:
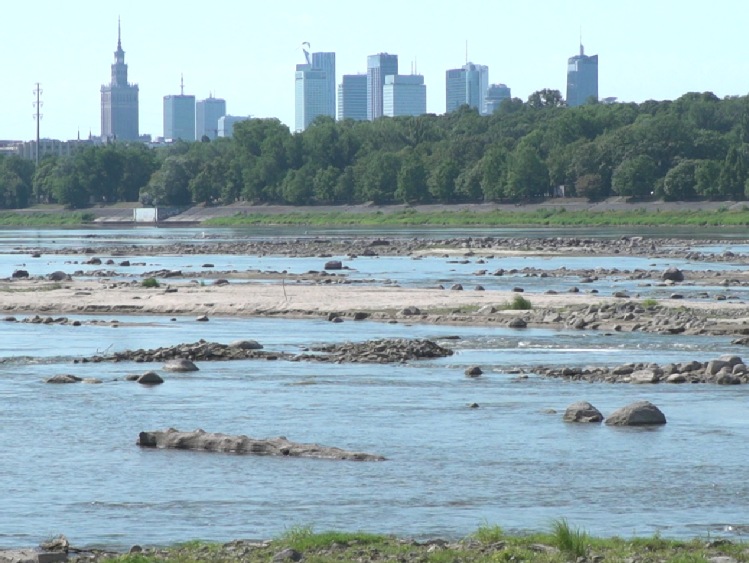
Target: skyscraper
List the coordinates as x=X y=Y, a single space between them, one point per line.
x=582 y=78
x=495 y=95
x=314 y=89
x=119 y=101
x=352 y=97
x=378 y=67
x=207 y=114
x=326 y=62
x=404 y=95
x=179 y=116
x=466 y=86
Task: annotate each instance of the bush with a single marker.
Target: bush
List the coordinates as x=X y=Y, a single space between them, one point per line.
x=573 y=542
x=518 y=303
x=150 y=282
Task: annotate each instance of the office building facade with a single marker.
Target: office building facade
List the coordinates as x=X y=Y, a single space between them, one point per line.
x=227 y=122
x=378 y=67
x=352 y=97
x=310 y=96
x=582 y=79
x=207 y=114
x=466 y=86
x=326 y=63
x=404 y=95
x=495 y=95
x=179 y=118
x=119 y=101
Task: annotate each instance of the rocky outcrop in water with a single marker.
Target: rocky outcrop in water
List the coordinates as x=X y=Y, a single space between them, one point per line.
x=384 y=351
x=225 y=443
x=582 y=411
x=641 y=413
x=725 y=370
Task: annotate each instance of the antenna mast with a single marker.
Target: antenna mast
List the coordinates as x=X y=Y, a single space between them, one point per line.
x=37 y=116
x=181 y=84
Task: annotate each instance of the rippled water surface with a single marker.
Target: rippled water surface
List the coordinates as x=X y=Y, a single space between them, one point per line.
x=70 y=464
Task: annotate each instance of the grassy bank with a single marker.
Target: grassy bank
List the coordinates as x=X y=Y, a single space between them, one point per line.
x=497 y=218
x=44 y=219
x=489 y=543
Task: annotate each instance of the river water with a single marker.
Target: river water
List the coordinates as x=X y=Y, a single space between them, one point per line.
x=70 y=464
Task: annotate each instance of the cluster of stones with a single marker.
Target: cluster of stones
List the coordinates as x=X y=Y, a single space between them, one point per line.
x=240 y=444
x=725 y=370
x=641 y=413
x=382 y=351
x=196 y=351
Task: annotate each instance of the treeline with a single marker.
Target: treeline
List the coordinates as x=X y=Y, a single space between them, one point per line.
x=694 y=147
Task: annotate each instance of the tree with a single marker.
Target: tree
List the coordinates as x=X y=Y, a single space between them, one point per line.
x=733 y=173
x=680 y=182
x=546 y=98
x=590 y=186
x=635 y=177
x=527 y=175
x=441 y=181
x=412 y=179
x=706 y=175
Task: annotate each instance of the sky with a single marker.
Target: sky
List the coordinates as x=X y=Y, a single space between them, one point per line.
x=246 y=52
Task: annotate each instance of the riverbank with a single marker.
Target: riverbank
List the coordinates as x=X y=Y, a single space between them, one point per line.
x=489 y=543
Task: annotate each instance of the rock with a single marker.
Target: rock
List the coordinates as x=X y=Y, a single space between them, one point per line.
x=360 y=316
x=92 y=380
x=714 y=366
x=64 y=378
x=18 y=274
x=58 y=276
x=641 y=413
x=731 y=360
x=582 y=411
x=487 y=310
x=225 y=443
x=202 y=318
x=517 y=322
x=132 y=377
x=410 y=311
x=333 y=265
x=473 y=371
x=125 y=263
x=456 y=287
x=644 y=376
x=676 y=378
x=246 y=345
x=473 y=405
x=287 y=554
x=150 y=378
x=31 y=556
x=221 y=281
x=180 y=365
x=59 y=543
x=673 y=274
x=518 y=289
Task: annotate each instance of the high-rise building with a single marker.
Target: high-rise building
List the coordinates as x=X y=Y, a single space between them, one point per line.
x=179 y=117
x=326 y=63
x=495 y=95
x=352 y=97
x=311 y=96
x=582 y=78
x=378 y=67
x=207 y=114
x=227 y=122
x=404 y=95
x=119 y=101
x=466 y=86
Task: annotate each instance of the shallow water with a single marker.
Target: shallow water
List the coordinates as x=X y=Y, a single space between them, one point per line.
x=70 y=464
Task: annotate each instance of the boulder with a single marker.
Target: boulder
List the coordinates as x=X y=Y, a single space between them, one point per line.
x=673 y=274
x=456 y=287
x=410 y=311
x=58 y=275
x=202 y=318
x=645 y=376
x=180 y=365
x=473 y=371
x=517 y=322
x=641 y=413
x=333 y=265
x=582 y=411
x=150 y=378
x=246 y=345
x=64 y=378
x=18 y=274
x=214 y=442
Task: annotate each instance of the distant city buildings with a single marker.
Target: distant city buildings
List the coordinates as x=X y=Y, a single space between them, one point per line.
x=582 y=79
x=179 y=117
x=495 y=95
x=119 y=101
x=207 y=114
x=352 y=97
x=466 y=86
x=227 y=122
x=378 y=67
x=314 y=89
x=404 y=95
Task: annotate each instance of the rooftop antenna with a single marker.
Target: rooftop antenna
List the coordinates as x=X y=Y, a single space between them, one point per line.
x=306 y=52
x=181 y=84
x=466 y=51
x=582 y=49
x=37 y=116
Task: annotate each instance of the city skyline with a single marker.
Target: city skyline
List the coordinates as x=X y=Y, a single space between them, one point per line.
x=239 y=56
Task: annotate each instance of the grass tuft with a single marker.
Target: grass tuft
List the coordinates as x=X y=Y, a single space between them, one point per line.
x=573 y=542
x=488 y=533
x=518 y=303
x=303 y=538
x=150 y=282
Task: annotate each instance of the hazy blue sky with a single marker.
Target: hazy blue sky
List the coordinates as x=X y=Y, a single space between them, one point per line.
x=245 y=52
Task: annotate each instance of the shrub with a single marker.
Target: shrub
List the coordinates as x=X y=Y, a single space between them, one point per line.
x=518 y=303
x=150 y=282
x=573 y=542
x=488 y=534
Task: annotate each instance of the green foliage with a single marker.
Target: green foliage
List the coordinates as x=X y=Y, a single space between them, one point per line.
x=488 y=533
x=649 y=303
x=518 y=303
x=303 y=538
x=150 y=282
x=573 y=542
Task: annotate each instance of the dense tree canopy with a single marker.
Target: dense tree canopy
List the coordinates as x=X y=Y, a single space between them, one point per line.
x=693 y=147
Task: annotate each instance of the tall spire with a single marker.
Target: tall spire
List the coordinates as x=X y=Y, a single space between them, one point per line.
x=119 y=35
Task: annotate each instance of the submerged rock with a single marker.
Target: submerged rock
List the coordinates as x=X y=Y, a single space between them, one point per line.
x=181 y=365
x=240 y=444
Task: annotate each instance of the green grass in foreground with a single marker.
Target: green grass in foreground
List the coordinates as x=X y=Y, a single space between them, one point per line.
x=43 y=219
x=498 y=218
x=489 y=543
